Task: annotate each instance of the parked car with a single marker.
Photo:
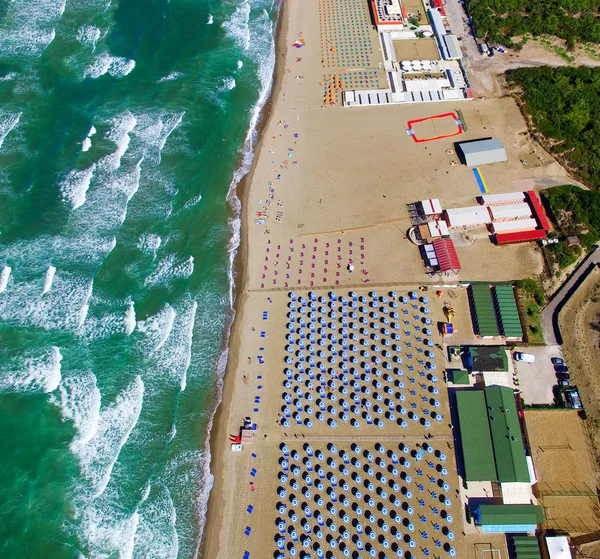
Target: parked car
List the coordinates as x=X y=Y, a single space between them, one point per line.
x=565 y=382
x=563 y=376
x=557 y=361
x=525 y=357
x=572 y=399
x=561 y=368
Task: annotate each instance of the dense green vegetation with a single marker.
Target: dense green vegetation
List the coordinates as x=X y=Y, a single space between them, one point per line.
x=531 y=297
x=564 y=104
x=576 y=212
x=502 y=20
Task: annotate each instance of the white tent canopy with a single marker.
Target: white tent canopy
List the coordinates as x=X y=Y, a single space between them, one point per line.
x=431 y=206
x=558 y=547
x=512 y=211
x=463 y=217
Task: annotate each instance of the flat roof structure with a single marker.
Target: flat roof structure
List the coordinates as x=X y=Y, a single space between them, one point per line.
x=507 y=440
x=506 y=307
x=487 y=358
x=431 y=206
x=538 y=210
x=475 y=436
x=452 y=46
x=483 y=152
x=482 y=307
x=509 y=518
x=520 y=236
x=469 y=216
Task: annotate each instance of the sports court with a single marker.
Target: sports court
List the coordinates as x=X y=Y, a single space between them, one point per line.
x=435 y=127
x=416 y=49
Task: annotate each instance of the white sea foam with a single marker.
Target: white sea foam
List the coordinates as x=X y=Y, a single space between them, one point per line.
x=104 y=63
x=8 y=77
x=88 y=35
x=92 y=131
x=60 y=309
x=33 y=373
x=49 y=279
x=86 y=144
x=237 y=28
x=129 y=319
x=157 y=328
x=227 y=84
x=239 y=64
x=28 y=27
x=4 y=276
x=85 y=307
x=170 y=268
x=156 y=535
x=80 y=403
x=149 y=242
x=192 y=201
x=153 y=130
x=7 y=122
x=210 y=19
x=168 y=342
x=121 y=126
x=116 y=421
x=170 y=77
x=76 y=184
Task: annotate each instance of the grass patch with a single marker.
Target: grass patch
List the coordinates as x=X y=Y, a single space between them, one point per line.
x=531 y=299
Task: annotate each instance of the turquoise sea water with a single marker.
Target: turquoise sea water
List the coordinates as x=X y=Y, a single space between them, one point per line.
x=122 y=124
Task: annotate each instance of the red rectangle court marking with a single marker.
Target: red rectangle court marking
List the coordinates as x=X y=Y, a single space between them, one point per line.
x=445 y=115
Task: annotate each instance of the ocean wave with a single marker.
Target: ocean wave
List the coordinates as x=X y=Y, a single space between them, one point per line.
x=121 y=126
x=88 y=35
x=76 y=184
x=62 y=308
x=149 y=243
x=79 y=403
x=192 y=202
x=104 y=63
x=157 y=328
x=239 y=64
x=237 y=26
x=116 y=421
x=8 y=77
x=7 y=122
x=32 y=257
x=4 y=277
x=170 y=77
x=168 y=343
x=33 y=373
x=156 y=536
x=129 y=320
x=210 y=19
x=170 y=268
x=49 y=279
x=227 y=84
x=154 y=130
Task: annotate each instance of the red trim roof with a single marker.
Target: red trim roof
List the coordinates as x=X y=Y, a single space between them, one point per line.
x=520 y=236
x=538 y=210
x=438 y=4
x=446 y=255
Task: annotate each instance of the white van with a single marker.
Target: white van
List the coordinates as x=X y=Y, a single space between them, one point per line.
x=525 y=357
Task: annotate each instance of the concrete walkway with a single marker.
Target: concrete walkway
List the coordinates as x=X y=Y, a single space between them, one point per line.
x=552 y=310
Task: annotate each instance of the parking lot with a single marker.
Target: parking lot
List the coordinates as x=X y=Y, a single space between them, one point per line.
x=537 y=379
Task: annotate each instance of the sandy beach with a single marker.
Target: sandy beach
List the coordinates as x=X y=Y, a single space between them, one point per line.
x=324 y=240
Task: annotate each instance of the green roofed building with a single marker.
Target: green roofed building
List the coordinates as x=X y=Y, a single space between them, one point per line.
x=490 y=434
x=506 y=308
x=526 y=547
x=508 y=518
x=494 y=311
x=484 y=313
x=460 y=376
x=507 y=441
x=475 y=436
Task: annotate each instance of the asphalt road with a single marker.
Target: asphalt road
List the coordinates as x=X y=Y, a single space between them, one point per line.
x=552 y=310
